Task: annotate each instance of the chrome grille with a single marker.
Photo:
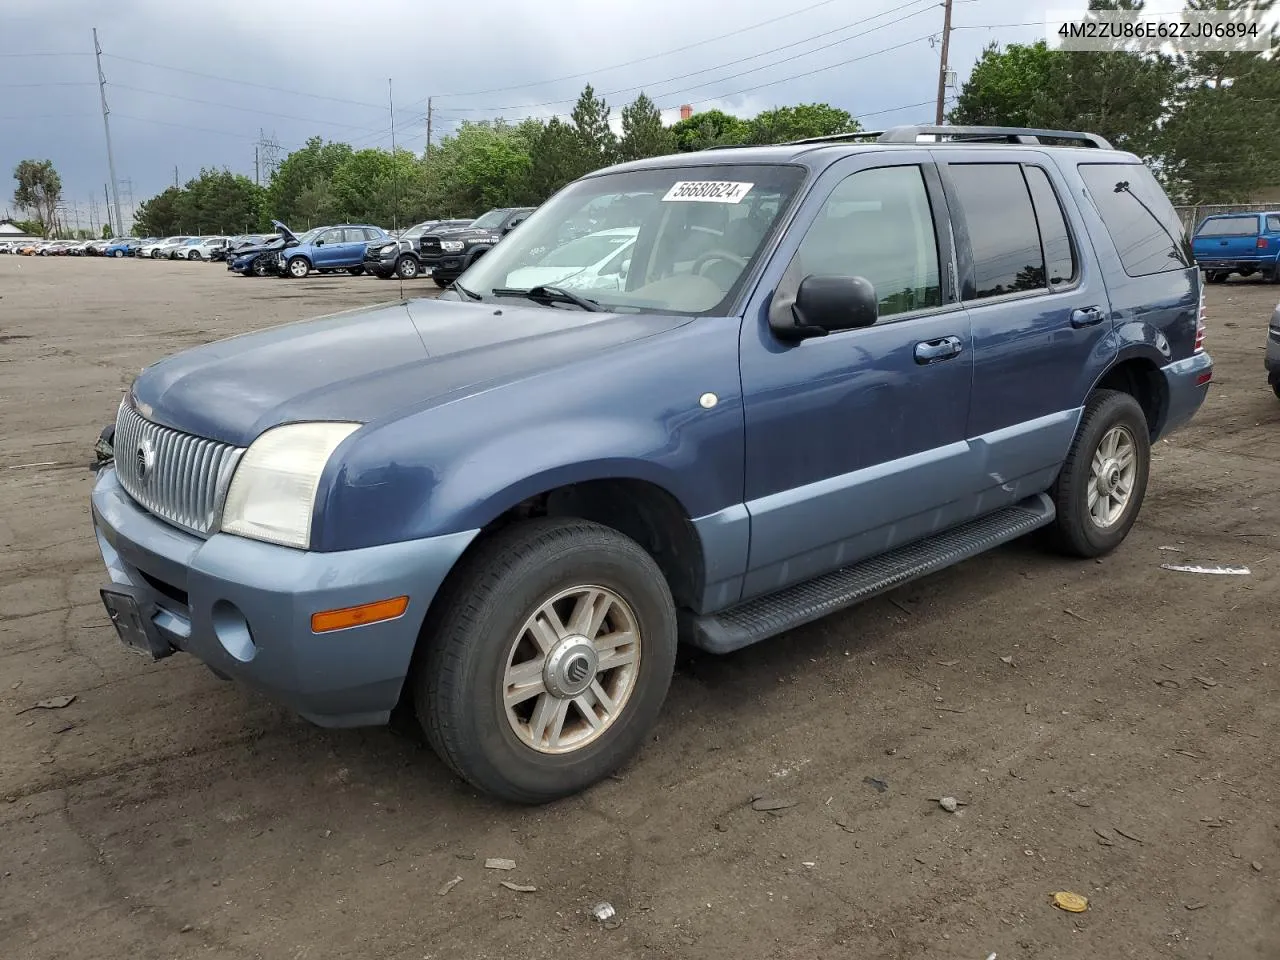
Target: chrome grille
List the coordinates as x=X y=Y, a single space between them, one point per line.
x=173 y=475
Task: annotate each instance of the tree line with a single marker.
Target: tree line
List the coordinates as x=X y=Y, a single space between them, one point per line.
x=482 y=164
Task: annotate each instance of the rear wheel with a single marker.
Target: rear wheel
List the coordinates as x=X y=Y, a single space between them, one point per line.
x=355 y=271
x=549 y=657
x=1099 y=492
x=118 y=253
x=440 y=283
x=1216 y=276
x=298 y=268
x=1275 y=388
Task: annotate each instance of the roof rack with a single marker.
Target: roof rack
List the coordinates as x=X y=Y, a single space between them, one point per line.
x=840 y=137
x=911 y=133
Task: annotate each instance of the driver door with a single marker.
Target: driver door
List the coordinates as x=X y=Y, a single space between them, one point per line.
x=327 y=248
x=855 y=441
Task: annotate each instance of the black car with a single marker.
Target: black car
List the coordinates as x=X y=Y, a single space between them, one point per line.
x=399 y=257
x=445 y=254
x=263 y=259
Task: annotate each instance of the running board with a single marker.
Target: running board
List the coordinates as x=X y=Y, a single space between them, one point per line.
x=762 y=617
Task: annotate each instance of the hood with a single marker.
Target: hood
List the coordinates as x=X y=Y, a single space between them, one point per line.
x=371 y=363
x=278 y=244
x=285 y=233
x=463 y=233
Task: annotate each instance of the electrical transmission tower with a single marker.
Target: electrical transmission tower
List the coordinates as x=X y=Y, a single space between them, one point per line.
x=269 y=150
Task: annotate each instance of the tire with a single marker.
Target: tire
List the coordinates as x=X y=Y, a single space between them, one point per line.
x=481 y=622
x=258 y=268
x=297 y=268
x=1216 y=276
x=118 y=253
x=1076 y=530
x=442 y=284
x=1275 y=388
x=193 y=255
x=355 y=271
x=407 y=268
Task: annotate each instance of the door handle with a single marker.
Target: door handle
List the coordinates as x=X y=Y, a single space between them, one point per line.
x=1086 y=316
x=933 y=351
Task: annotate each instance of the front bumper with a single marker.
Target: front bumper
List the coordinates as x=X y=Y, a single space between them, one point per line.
x=1273 y=350
x=450 y=265
x=1186 y=385
x=381 y=264
x=244 y=607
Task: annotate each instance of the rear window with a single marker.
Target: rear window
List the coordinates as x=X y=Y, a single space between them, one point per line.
x=1229 y=227
x=1143 y=225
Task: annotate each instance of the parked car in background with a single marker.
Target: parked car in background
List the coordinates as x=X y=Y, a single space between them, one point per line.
x=98 y=248
x=445 y=254
x=203 y=248
x=123 y=248
x=262 y=259
x=161 y=249
x=332 y=248
x=598 y=261
x=1243 y=243
x=399 y=256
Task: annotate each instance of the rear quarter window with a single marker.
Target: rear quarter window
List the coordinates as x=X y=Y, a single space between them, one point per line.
x=1148 y=236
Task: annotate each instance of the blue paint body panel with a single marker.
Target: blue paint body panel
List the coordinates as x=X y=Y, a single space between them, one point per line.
x=811 y=455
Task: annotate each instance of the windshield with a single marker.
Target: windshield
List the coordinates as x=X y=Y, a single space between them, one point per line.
x=697 y=231
x=311 y=234
x=490 y=220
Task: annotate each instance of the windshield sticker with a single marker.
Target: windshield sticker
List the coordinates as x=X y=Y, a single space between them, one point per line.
x=708 y=191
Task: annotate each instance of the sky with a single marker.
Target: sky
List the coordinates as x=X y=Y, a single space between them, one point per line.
x=192 y=85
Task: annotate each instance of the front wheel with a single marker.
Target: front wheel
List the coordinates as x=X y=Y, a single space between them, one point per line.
x=118 y=253
x=298 y=268
x=259 y=268
x=1099 y=492
x=355 y=271
x=193 y=255
x=548 y=659
x=407 y=268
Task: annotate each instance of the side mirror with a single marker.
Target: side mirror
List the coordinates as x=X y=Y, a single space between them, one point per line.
x=826 y=305
x=624 y=267
x=512 y=225
x=320 y=242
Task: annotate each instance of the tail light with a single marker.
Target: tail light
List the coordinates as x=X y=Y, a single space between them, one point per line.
x=1200 y=318
x=1262 y=243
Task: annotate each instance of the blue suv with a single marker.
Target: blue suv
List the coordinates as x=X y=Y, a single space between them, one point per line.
x=1243 y=243
x=821 y=369
x=331 y=248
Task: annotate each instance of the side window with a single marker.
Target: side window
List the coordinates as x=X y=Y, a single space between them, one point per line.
x=1143 y=225
x=333 y=236
x=1055 y=238
x=877 y=224
x=1001 y=223
x=1273 y=223
x=355 y=235
x=368 y=233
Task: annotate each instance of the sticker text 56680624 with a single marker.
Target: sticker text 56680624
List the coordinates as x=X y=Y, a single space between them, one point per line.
x=708 y=191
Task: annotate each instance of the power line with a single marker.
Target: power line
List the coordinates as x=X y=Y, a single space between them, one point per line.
x=228 y=106
x=65 y=53
x=730 y=63
x=246 y=83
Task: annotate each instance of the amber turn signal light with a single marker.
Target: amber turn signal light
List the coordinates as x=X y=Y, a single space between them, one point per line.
x=327 y=620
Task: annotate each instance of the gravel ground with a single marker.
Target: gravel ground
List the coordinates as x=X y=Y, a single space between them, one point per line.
x=1109 y=727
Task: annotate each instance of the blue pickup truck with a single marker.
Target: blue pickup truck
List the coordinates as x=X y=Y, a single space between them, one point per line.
x=826 y=368
x=1243 y=243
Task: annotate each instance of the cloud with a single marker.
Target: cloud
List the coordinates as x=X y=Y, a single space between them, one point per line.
x=194 y=85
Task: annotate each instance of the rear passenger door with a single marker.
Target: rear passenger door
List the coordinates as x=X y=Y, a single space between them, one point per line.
x=1040 y=315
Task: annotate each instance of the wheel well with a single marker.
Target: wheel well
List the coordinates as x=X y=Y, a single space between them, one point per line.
x=1140 y=379
x=640 y=510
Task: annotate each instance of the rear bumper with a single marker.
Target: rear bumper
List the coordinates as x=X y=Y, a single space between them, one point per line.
x=1235 y=263
x=244 y=607
x=1187 y=384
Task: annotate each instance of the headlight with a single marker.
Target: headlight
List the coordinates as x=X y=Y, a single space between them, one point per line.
x=389 y=248
x=452 y=246
x=273 y=491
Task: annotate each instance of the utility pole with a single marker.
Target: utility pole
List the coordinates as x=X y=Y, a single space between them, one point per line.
x=429 y=126
x=106 y=124
x=175 y=174
x=128 y=190
x=395 y=175
x=93 y=214
x=942 y=67
x=75 y=209
x=107 y=200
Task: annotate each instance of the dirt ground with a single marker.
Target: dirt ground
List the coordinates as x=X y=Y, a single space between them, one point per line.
x=1110 y=728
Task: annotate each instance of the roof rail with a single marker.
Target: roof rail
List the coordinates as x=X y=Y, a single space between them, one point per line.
x=911 y=132
x=838 y=137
